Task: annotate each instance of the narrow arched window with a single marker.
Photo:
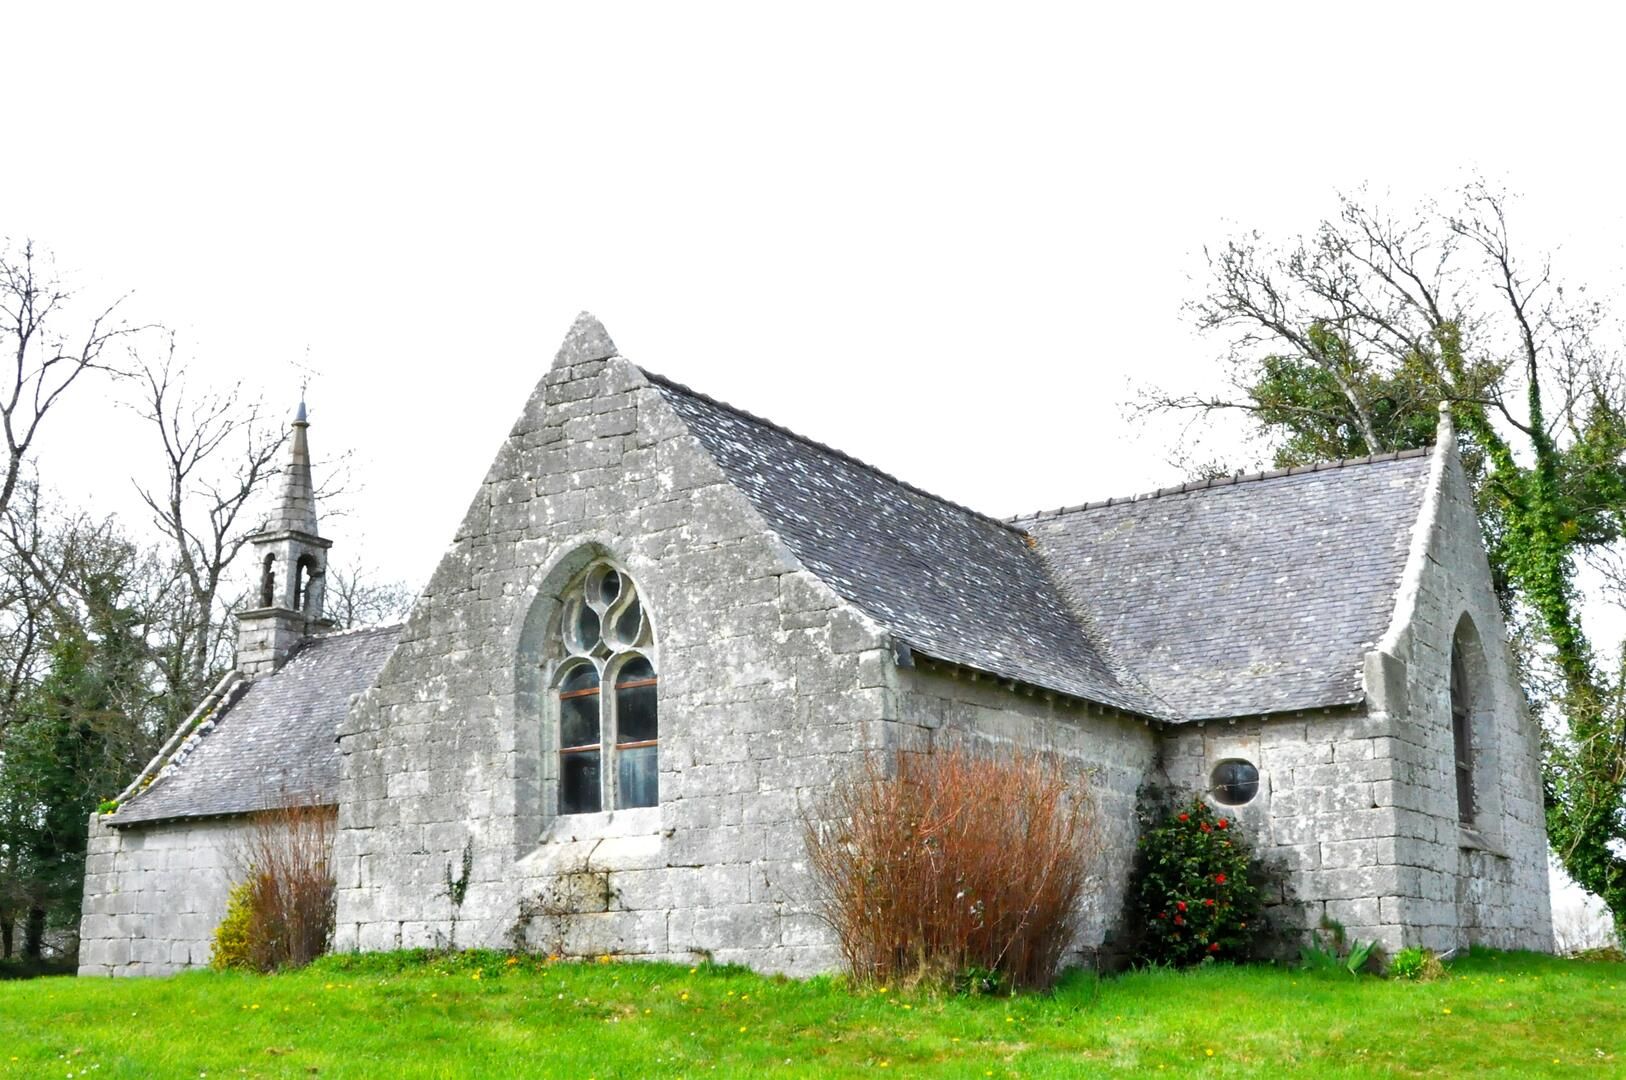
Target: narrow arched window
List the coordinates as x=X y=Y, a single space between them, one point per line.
x=608 y=729
x=306 y=576
x=1462 y=747
x=268 y=582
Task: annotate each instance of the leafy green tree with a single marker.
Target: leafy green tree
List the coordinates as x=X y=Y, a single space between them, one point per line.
x=75 y=736
x=1342 y=343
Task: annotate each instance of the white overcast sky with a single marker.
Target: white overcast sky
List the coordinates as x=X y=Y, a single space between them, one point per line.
x=947 y=239
x=942 y=238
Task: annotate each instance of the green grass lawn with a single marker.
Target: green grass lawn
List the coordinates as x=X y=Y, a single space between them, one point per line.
x=1512 y=1015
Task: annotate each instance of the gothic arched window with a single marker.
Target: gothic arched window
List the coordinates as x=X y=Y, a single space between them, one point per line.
x=1462 y=746
x=606 y=688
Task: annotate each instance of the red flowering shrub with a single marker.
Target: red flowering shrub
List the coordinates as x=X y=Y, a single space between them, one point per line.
x=1196 y=888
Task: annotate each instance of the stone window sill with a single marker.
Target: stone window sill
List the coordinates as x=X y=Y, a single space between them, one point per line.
x=642 y=821
x=1471 y=839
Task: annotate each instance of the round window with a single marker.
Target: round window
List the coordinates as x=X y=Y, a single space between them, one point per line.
x=1234 y=782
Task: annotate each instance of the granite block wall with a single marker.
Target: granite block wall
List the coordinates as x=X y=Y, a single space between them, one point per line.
x=155 y=893
x=1325 y=809
x=1485 y=883
x=944 y=704
x=768 y=686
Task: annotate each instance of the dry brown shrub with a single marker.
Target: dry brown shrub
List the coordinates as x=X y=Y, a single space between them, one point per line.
x=288 y=859
x=953 y=864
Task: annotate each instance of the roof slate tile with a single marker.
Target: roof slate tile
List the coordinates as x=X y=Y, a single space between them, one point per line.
x=277 y=741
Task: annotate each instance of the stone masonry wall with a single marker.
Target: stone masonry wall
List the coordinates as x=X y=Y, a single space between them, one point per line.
x=1325 y=809
x=1485 y=885
x=1115 y=751
x=155 y=893
x=768 y=685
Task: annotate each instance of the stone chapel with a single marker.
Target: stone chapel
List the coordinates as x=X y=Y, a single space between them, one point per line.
x=664 y=626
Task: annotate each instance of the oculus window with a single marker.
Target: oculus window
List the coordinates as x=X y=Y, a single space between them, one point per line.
x=1234 y=782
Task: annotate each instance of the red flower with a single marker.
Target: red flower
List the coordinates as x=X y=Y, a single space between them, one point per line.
x=1221 y=823
x=1185 y=817
x=1219 y=879
x=1209 y=901
x=1181 y=904
x=1163 y=915
x=1214 y=947
x=1178 y=921
x=1206 y=827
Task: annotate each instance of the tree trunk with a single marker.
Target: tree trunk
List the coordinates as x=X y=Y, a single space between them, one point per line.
x=7 y=923
x=34 y=933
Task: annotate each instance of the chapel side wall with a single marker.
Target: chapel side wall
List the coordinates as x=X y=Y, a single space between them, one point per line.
x=1325 y=812
x=1116 y=752
x=768 y=686
x=155 y=893
x=1488 y=885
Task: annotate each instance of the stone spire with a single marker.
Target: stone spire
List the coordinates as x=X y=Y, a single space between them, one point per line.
x=296 y=507
x=292 y=559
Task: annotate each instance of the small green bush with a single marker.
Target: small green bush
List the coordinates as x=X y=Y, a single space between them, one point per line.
x=232 y=946
x=1198 y=888
x=1408 y=964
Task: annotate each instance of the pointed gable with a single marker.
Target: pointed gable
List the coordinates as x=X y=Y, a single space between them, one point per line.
x=948 y=582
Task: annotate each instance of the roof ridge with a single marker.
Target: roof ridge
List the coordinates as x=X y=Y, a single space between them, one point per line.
x=662 y=380
x=348 y=630
x=1228 y=481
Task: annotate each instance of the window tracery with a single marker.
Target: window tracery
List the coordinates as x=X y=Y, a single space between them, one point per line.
x=608 y=727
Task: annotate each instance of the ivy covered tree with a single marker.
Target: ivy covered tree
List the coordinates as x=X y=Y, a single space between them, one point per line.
x=1341 y=344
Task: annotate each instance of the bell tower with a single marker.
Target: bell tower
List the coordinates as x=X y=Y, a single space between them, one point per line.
x=291 y=559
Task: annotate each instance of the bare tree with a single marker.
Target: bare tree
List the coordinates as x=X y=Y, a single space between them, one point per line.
x=355 y=598
x=47 y=351
x=220 y=453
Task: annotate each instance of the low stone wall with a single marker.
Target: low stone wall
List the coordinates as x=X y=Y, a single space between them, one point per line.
x=155 y=893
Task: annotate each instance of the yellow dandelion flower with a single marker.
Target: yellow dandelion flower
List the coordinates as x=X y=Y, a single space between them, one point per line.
x=1447 y=1012
x=693 y=970
x=907 y=1006
x=255 y=1006
x=476 y=975
x=1209 y=1051
x=742 y=1031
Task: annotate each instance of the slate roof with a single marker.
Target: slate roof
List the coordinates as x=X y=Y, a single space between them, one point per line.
x=1247 y=596
x=278 y=738
x=946 y=581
